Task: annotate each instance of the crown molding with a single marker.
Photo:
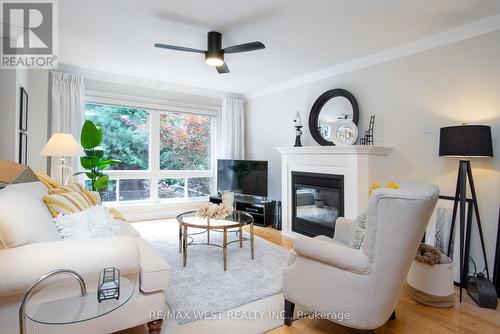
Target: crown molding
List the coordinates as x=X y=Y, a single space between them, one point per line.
x=477 y=28
x=144 y=83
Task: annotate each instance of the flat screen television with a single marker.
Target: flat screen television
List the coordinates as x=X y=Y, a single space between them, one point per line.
x=246 y=177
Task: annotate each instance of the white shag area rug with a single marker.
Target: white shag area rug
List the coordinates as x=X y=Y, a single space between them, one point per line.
x=203 y=290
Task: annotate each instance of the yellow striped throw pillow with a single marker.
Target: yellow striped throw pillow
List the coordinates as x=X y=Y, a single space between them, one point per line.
x=67 y=202
x=76 y=188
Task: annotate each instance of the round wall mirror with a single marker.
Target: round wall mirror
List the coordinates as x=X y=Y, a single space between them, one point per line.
x=330 y=108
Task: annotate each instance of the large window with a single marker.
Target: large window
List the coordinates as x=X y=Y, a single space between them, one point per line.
x=125 y=134
x=165 y=154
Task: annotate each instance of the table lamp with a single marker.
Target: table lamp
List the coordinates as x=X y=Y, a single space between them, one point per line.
x=62 y=145
x=465 y=142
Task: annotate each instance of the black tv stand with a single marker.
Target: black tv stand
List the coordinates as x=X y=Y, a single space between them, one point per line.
x=261 y=211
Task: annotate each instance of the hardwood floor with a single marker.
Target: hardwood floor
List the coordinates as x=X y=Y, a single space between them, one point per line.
x=412 y=317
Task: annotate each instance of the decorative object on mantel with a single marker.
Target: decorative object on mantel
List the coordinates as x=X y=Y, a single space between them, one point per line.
x=298 y=131
x=331 y=107
x=465 y=142
x=344 y=132
x=214 y=211
x=367 y=139
x=109 y=284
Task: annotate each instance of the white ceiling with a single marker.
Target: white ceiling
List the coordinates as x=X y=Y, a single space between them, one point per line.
x=117 y=36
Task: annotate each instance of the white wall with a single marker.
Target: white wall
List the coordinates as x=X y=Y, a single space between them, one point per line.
x=114 y=88
x=441 y=87
x=35 y=82
x=8 y=115
x=38 y=118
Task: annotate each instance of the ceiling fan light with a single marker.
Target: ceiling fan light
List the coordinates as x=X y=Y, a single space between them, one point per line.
x=214 y=61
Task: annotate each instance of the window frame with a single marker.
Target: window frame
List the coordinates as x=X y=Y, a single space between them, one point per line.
x=155 y=107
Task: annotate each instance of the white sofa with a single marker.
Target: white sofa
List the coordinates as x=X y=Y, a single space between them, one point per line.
x=30 y=246
x=325 y=275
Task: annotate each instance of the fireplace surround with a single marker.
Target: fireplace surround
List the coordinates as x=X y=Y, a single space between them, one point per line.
x=357 y=167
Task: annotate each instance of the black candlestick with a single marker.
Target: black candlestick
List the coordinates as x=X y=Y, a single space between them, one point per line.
x=298 y=134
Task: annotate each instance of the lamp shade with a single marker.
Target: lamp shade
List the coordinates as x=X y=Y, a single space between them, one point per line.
x=62 y=145
x=466 y=141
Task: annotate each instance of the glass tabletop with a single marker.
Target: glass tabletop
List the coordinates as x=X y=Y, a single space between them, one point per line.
x=237 y=217
x=47 y=307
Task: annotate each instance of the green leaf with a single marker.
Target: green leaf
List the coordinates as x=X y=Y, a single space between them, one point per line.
x=101 y=182
x=91 y=175
x=89 y=162
x=79 y=173
x=99 y=152
x=91 y=137
x=99 y=135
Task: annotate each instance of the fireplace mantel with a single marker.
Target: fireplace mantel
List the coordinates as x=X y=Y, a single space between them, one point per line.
x=337 y=150
x=360 y=166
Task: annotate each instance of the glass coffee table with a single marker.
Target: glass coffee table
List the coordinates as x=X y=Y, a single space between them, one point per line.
x=52 y=306
x=232 y=223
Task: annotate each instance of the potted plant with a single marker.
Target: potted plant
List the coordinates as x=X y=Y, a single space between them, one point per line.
x=94 y=161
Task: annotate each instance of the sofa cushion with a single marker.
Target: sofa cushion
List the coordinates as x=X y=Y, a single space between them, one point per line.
x=24 y=218
x=67 y=202
x=155 y=272
x=49 y=182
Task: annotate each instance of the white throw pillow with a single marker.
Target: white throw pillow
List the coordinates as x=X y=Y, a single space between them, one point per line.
x=24 y=218
x=359 y=231
x=94 y=222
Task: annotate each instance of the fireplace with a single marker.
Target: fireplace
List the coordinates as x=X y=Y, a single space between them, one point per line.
x=317 y=202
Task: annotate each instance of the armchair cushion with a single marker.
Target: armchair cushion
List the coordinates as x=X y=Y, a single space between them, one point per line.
x=343 y=257
x=344 y=229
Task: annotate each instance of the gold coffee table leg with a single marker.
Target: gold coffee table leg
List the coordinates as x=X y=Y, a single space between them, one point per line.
x=180 y=237
x=184 y=245
x=224 y=248
x=251 y=239
x=208 y=230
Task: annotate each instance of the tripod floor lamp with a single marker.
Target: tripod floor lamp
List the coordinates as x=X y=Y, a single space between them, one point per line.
x=465 y=142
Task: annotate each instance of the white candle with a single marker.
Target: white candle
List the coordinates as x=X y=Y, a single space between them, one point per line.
x=297 y=119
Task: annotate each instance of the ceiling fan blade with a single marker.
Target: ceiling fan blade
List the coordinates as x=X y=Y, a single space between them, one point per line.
x=252 y=46
x=178 y=48
x=222 y=69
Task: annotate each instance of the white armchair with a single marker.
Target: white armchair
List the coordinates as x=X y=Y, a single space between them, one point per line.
x=325 y=275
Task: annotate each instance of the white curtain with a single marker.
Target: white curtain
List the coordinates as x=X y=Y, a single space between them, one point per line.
x=67 y=116
x=231 y=130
